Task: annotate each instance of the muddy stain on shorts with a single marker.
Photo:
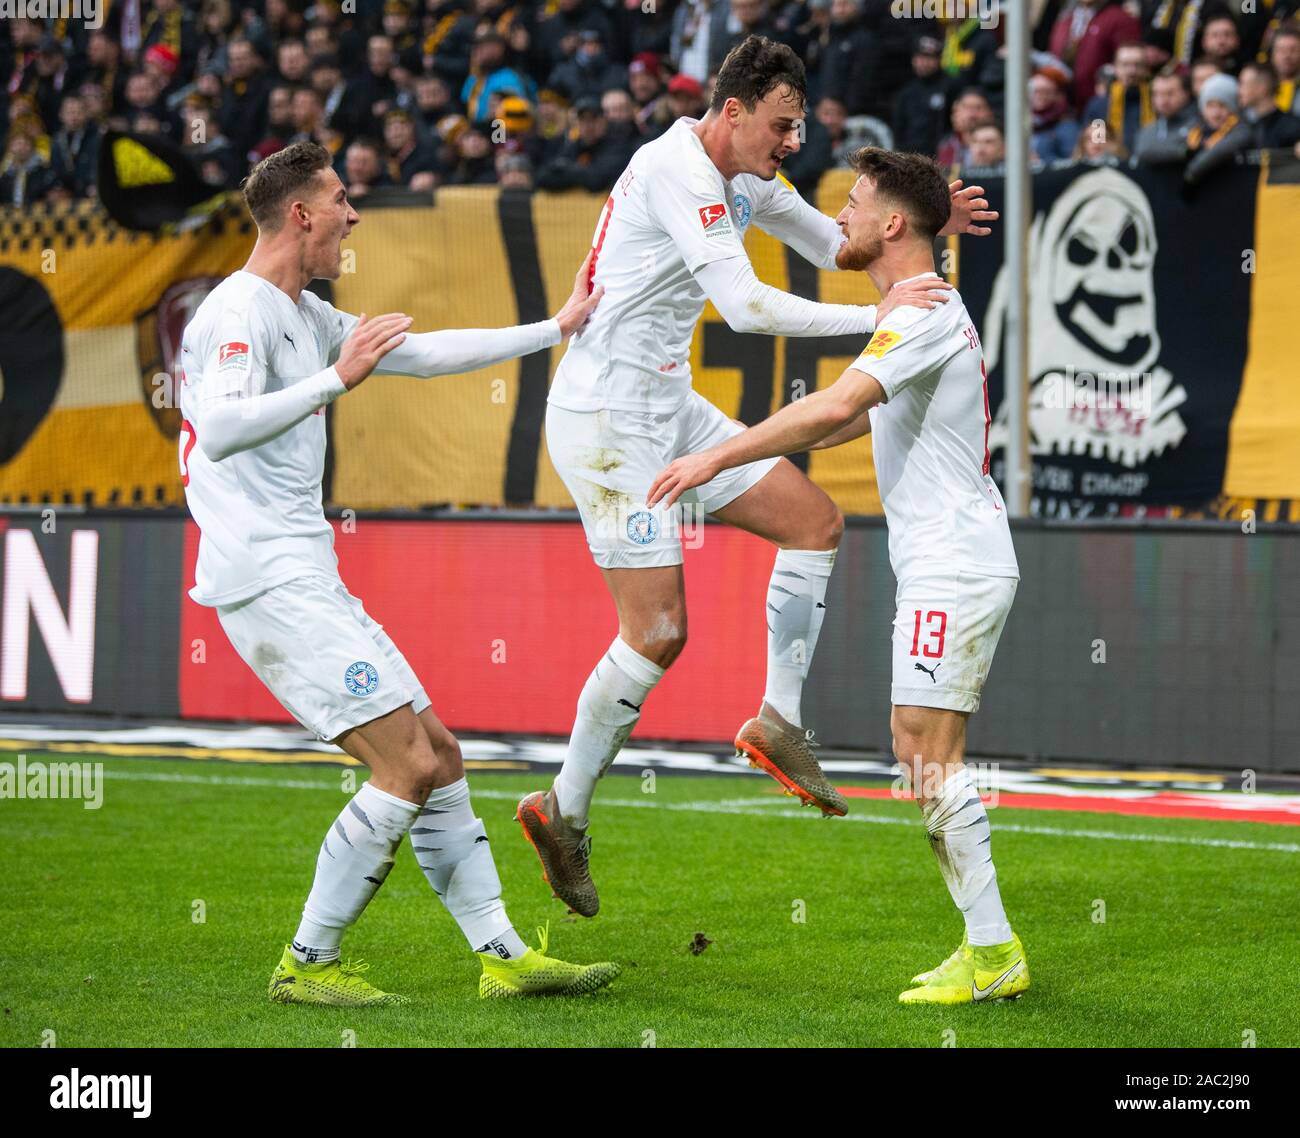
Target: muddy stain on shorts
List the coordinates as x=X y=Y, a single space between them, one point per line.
x=601 y=460
x=268 y=658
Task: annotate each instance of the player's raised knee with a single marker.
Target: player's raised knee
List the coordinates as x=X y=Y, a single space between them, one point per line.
x=662 y=640
x=821 y=525
x=834 y=529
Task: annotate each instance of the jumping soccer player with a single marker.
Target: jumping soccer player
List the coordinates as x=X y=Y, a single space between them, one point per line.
x=622 y=406
x=919 y=387
x=262 y=358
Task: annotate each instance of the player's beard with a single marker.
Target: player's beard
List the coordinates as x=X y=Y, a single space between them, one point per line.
x=859 y=256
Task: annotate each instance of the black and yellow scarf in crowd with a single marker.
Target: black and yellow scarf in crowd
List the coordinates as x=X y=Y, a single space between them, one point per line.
x=1117 y=102
x=1198 y=139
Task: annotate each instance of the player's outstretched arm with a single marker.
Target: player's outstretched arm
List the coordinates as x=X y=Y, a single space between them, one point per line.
x=854 y=429
x=969 y=208
x=368 y=343
x=795 y=427
x=237 y=420
x=749 y=305
x=455 y=350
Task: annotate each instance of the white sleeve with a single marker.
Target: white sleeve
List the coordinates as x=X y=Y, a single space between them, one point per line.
x=234 y=423
x=749 y=305
x=446 y=352
x=784 y=214
x=907 y=347
x=458 y=350
x=691 y=207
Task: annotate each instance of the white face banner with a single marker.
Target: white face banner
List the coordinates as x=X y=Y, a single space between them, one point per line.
x=1118 y=260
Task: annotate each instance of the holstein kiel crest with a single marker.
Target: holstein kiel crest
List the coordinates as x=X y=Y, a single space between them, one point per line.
x=744 y=209
x=642 y=527
x=361 y=678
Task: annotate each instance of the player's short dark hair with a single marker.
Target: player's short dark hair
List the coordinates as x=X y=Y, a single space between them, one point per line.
x=1286 y=29
x=276 y=178
x=756 y=67
x=914 y=181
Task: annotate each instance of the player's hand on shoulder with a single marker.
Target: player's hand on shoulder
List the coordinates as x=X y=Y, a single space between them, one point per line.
x=923 y=293
x=582 y=301
x=372 y=339
x=969 y=208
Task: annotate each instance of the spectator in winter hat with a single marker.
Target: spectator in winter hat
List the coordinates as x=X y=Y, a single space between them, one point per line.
x=645 y=78
x=921 y=109
x=1220 y=134
x=1055 y=131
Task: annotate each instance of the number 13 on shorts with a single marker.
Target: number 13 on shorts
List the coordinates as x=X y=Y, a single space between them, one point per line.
x=946 y=629
x=929 y=631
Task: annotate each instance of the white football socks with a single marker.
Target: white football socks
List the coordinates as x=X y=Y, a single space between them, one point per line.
x=354 y=859
x=452 y=848
x=958 y=826
x=608 y=708
x=796 y=607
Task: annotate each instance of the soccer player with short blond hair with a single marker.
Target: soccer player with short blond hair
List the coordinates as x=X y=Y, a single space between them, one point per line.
x=263 y=357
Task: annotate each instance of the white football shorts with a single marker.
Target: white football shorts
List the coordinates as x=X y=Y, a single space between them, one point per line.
x=946 y=629
x=608 y=459
x=321 y=655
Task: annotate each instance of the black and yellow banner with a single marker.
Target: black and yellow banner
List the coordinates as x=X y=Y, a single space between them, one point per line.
x=481 y=259
x=1159 y=326
x=93 y=315
x=1193 y=300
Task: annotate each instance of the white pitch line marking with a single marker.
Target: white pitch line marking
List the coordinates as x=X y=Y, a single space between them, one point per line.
x=738 y=806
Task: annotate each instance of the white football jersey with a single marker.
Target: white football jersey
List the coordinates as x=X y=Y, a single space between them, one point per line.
x=669 y=214
x=258 y=511
x=930 y=442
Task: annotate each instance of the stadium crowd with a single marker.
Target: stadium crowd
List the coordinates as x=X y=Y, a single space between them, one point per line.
x=557 y=95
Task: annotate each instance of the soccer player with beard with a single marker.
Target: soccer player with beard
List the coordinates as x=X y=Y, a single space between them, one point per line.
x=920 y=388
x=262 y=359
x=622 y=405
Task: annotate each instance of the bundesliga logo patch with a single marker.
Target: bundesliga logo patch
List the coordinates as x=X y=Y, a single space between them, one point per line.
x=880 y=343
x=714 y=219
x=232 y=356
x=361 y=678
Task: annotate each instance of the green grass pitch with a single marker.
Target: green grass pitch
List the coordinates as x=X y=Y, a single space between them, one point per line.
x=816 y=925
